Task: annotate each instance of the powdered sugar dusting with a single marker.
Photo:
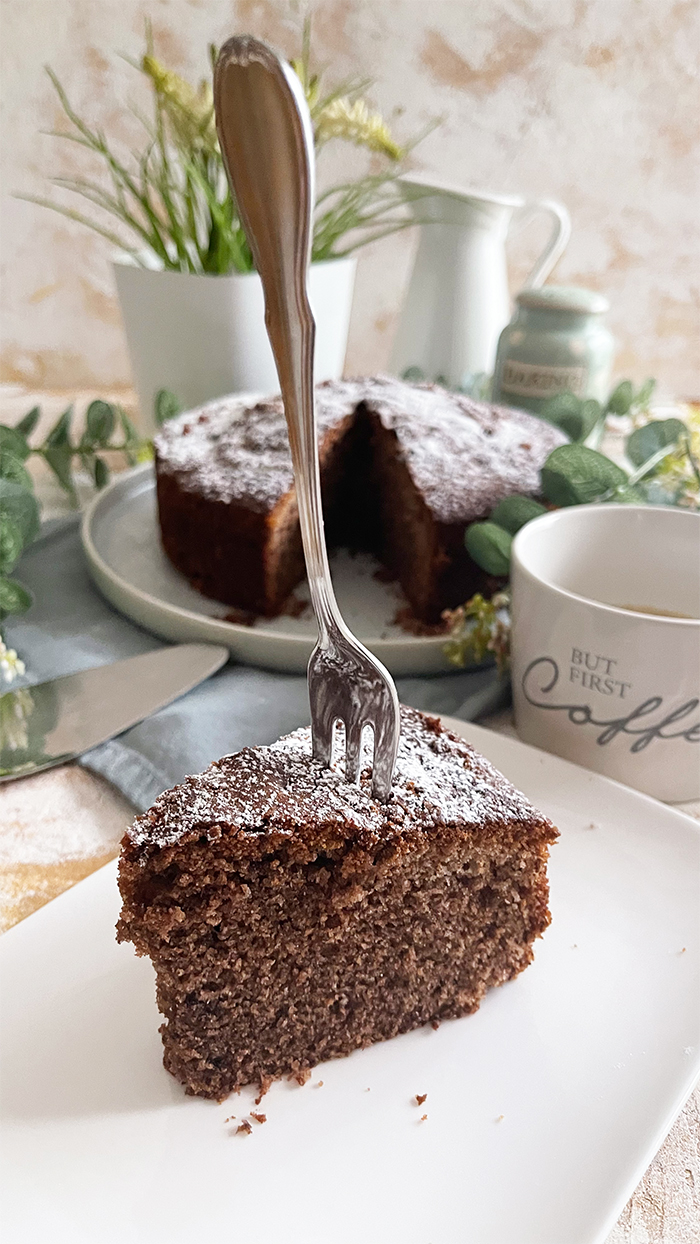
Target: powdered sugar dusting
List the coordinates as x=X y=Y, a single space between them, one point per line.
x=463 y=455
x=229 y=450
x=439 y=780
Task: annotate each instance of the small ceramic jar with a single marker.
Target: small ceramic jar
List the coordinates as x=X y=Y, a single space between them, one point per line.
x=556 y=342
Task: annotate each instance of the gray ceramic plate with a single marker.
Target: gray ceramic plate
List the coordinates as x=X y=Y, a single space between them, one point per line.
x=122 y=545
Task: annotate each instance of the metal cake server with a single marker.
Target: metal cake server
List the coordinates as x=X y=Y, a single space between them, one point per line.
x=55 y=721
x=266 y=139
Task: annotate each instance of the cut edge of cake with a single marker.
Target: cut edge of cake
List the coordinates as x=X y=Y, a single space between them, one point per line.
x=427 y=462
x=290 y=918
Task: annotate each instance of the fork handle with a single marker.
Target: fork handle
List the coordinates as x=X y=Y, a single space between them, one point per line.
x=266 y=139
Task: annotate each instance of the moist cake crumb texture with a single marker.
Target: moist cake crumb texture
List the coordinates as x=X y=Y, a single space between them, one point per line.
x=291 y=918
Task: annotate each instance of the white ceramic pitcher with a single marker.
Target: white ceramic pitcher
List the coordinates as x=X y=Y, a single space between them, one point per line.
x=458 y=302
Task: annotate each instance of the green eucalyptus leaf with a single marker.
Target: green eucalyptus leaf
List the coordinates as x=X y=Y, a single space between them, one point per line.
x=649 y=467
x=643 y=394
x=561 y=406
x=99 y=422
x=60 y=459
x=578 y=424
x=60 y=432
x=14 y=442
x=11 y=542
x=132 y=439
x=131 y=434
x=576 y=475
x=659 y=490
x=628 y=494
x=514 y=512
x=592 y=412
x=27 y=425
x=12 y=468
x=166 y=406
x=647 y=441
x=21 y=505
x=621 y=398
x=14 y=597
x=489 y=546
x=413 y=375
x=101 y=473
x=575 y=416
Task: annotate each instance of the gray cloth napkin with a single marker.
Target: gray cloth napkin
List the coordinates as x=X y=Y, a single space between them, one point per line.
x=71 y=627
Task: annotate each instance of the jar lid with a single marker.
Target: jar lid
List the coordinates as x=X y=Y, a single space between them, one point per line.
x=564 y=298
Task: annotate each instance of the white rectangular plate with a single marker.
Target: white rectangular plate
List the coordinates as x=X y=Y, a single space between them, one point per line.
x=544 y=1108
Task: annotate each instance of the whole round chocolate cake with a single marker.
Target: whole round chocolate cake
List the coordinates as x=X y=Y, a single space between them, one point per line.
x=404 y=469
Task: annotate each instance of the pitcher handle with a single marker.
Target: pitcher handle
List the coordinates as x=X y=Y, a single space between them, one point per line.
x=557 y=242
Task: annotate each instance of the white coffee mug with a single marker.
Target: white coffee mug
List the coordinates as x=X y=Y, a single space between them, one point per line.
x=606 y=642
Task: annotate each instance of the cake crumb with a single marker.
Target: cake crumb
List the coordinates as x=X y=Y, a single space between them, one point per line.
x=592 y=825
x=319 y=1085
x=423 y=1118
x=230 y=1118
x=293 y=607
x=420 y=1098
x=259 y=1118
x=434 y=1025
x=240 y=617
x=500 y=1117
x=244 y=1127
x=408 y=622
x=575 y=946
x=301 y=1076
x=682 y=951
x=265 y=1083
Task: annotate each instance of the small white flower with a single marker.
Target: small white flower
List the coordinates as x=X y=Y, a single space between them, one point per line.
x=11 y=666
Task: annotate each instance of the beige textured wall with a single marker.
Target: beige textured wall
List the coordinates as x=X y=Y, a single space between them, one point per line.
x=591 y=101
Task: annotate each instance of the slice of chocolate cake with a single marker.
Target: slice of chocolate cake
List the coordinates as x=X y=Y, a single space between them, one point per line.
x=404 y=469
x=291 y=919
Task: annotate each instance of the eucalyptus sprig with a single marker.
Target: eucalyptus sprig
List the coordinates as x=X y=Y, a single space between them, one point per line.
x=663 y=468
x=583 y=419
x=19 y=525
x=107 y=429
x=573 y=474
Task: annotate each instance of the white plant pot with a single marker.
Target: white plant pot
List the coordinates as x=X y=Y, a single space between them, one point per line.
x=204 y=336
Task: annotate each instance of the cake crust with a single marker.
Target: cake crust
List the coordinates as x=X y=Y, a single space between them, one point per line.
x=291 y=918
x=404 y=468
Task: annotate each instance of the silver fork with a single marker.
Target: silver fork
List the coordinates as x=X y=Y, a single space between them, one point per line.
x=266 y=139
